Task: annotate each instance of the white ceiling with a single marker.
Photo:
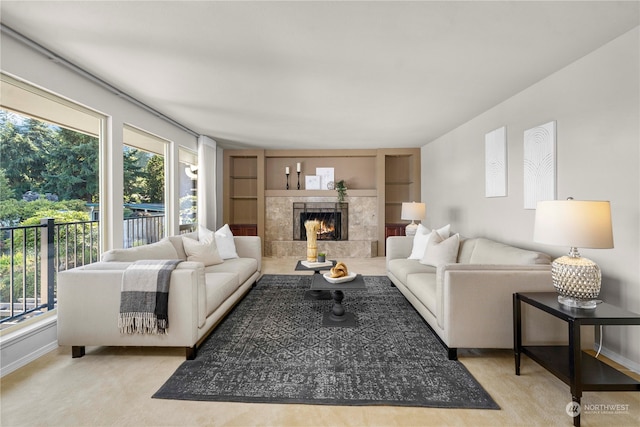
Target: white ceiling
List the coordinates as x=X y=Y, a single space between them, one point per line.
x=286 y=75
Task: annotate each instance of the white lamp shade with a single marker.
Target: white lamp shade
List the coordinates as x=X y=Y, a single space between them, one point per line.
x=413 y=211
x=574 y=223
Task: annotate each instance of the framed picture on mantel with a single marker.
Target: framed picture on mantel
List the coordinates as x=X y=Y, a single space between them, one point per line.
x=326 y=176
x=312 y=182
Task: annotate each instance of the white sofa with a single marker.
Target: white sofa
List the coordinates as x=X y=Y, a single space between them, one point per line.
x=469 y=304
x=199 y=296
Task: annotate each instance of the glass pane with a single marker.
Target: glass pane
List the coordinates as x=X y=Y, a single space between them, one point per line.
x=46 y=171
x=144 y=205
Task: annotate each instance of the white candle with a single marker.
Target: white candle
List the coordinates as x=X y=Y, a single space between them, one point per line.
x=286 y=170
x=298 y=167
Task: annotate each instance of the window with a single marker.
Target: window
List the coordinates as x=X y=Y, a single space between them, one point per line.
x=49 y=144
x=144 y=187
x=50 y=157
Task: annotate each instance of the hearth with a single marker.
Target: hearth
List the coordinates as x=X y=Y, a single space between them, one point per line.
x=333 y=217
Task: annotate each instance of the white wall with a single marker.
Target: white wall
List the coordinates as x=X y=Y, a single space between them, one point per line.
x=595 y=102
x=35 y=338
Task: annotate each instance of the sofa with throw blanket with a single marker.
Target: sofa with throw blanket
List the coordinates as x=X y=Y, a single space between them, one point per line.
x=96 y=302
x=463 y=287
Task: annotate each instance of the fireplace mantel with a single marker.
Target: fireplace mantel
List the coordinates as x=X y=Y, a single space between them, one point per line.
x=318 y=193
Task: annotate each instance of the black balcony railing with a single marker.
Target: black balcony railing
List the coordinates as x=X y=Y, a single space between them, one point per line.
x=142 y=230
x=31 y=256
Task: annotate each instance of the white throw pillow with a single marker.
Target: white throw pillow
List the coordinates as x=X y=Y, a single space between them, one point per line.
x=421 y=239
x=226 y=245
x=205 y=235
x=204 y=249
x=441 y=251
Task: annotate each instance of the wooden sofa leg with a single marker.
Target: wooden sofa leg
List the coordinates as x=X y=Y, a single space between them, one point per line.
x=77 y=351
x=452 y=353
x=190 y=352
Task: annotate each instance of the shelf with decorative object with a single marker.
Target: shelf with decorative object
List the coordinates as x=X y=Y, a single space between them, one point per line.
x=356 y=167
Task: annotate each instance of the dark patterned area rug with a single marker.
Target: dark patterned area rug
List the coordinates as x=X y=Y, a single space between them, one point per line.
x=272 y=348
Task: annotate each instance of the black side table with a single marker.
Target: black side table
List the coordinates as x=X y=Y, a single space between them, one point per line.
x=579 y=370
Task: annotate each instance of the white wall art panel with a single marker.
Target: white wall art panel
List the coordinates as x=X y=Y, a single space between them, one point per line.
x=326 y=177
x=539 y=164
x=495 y=156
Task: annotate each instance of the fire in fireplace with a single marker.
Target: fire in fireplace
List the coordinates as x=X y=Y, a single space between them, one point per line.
x=329 y=224
x=333 y=219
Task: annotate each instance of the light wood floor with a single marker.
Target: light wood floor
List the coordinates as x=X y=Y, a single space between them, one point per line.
x=112 y=386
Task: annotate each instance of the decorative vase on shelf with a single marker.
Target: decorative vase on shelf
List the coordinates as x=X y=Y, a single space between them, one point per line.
x=312 y=228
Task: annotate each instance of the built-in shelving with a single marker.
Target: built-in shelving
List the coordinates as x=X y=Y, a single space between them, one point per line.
x=390 y=175
x=399 y=183
x=243 y=191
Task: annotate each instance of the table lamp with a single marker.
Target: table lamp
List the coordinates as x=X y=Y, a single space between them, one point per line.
x=575 y=223
x=413 y=211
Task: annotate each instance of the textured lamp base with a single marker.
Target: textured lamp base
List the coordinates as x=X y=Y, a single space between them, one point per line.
x=411 y=229
x=577 y=281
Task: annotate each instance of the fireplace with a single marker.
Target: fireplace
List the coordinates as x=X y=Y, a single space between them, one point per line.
x=329 y=225
x=333 y=218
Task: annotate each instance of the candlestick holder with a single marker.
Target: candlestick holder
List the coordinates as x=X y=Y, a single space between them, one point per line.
x=287 y=180
x=298 y=180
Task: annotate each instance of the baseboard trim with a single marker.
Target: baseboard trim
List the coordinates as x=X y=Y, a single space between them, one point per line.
x=27 y=344
x=627 y=363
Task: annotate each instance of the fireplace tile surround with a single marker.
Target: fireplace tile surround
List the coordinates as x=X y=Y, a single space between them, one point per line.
x=363 y=228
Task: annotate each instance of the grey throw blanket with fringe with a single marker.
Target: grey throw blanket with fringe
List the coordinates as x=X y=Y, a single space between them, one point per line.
x=144 y=297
